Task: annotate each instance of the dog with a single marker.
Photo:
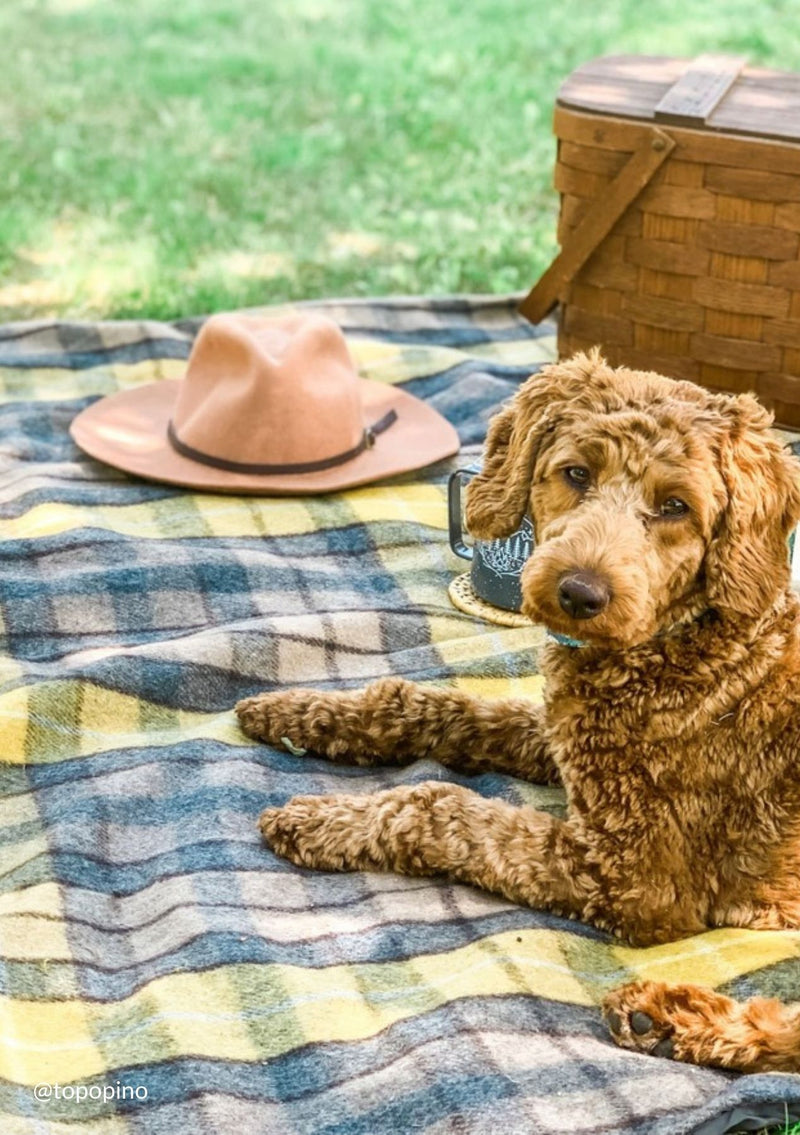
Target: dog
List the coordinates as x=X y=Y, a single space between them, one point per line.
x=671 y=714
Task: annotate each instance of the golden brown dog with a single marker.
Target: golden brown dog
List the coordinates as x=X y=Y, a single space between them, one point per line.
x=661 y=514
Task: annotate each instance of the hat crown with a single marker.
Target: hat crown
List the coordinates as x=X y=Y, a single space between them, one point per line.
x=270 y=391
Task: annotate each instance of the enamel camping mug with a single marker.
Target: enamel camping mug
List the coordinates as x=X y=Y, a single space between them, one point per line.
x=495 y=565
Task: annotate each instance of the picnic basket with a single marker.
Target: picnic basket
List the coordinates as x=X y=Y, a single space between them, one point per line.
x=680 y=222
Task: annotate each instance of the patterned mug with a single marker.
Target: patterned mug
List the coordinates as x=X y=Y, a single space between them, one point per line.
x=495 y=565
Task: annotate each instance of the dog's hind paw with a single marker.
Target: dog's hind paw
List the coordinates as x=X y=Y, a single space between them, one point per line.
x=635 y=1015
x=700 y=1026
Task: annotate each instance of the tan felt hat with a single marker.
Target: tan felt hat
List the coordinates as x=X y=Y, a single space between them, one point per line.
x=267 y=406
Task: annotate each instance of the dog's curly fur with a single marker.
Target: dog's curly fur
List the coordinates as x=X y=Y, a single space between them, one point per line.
x=674 y=728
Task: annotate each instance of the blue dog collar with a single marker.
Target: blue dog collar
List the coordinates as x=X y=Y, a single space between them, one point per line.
x=564 y=639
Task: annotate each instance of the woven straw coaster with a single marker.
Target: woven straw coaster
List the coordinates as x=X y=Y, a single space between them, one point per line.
x=465 y=599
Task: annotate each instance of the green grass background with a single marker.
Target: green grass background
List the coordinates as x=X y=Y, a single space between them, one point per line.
x=166 y=159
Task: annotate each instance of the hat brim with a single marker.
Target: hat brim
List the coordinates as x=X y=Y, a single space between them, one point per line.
x=129 y=431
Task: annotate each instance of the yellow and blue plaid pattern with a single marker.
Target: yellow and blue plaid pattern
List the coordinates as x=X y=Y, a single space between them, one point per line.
x=160 y=967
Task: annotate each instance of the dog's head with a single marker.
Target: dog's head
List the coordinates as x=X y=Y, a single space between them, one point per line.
x=651 y=500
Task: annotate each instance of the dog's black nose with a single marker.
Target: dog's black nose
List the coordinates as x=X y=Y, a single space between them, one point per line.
x=582 y=594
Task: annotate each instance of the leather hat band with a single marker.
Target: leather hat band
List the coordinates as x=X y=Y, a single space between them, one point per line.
x=366 y=442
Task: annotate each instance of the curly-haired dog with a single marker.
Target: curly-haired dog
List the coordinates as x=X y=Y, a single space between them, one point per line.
x=661 y=514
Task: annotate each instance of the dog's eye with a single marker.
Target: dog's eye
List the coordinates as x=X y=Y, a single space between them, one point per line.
x=673 y=506
x=578 y=476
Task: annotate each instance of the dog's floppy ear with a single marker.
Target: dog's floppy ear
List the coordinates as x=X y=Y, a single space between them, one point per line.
x=497 y=498
x=747 y=563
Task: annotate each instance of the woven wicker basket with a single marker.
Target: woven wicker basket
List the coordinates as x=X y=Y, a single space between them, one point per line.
x=680 y=222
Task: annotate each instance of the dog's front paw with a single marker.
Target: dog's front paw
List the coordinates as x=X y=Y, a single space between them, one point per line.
x=282 y=718
x=314 y=831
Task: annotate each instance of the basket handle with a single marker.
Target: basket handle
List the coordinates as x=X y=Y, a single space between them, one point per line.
x=597 y=224
x=690 y=101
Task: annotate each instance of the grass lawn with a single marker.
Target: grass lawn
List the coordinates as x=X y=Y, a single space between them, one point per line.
x=166 y=159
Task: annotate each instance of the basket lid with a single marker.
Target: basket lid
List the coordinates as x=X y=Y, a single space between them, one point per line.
x=712 y=92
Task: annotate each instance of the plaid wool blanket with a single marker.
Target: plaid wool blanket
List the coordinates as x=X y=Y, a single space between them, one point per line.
x=162 y=971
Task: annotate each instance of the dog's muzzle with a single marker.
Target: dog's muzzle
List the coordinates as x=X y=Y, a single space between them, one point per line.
x=583 y=594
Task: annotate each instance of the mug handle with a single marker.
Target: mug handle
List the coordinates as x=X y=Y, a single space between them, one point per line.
x=465 y=551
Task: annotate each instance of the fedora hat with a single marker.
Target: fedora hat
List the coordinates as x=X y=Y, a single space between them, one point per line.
x=267 y=406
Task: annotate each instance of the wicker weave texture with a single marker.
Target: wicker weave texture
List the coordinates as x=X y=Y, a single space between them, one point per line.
x=700 y=278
